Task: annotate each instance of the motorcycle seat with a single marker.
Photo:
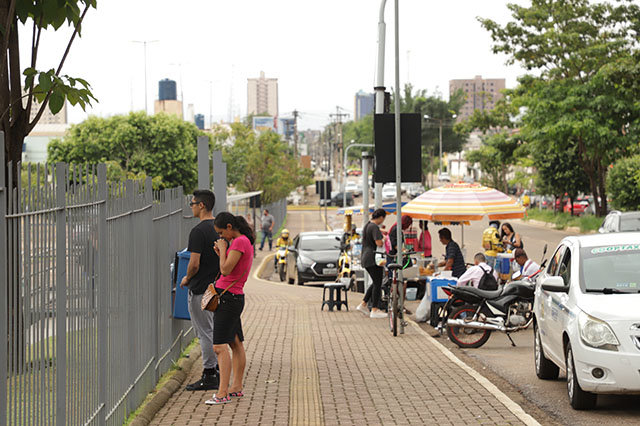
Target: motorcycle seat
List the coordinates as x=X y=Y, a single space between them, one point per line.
x=485 y=294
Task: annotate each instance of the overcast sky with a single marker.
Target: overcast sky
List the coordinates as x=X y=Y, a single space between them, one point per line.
x=322 y=52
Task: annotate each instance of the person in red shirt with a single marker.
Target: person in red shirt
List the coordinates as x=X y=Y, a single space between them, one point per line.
x=424 y=242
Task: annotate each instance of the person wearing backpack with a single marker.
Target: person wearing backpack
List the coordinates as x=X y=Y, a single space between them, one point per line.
x=480 y=275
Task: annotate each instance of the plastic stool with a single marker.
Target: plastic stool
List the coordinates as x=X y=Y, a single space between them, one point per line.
x=337 y=288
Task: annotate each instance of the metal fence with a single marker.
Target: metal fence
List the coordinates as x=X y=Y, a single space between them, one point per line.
x=85 y=266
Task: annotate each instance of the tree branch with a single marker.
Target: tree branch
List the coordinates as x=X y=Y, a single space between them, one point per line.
x=5 y=38
x=64 y=57
x=35 y=43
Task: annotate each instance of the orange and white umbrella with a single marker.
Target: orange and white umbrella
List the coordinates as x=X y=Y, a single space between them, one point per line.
x=459 y=202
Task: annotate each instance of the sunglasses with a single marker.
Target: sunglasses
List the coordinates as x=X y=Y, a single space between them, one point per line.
x=193 y=203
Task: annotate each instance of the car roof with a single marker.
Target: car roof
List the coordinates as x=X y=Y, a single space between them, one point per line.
x=319 y=234
x=593 y=240
x=630 y=214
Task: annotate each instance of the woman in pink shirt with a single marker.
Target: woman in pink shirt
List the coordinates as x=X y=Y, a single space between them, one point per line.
x=424 y=243
x=235 y=248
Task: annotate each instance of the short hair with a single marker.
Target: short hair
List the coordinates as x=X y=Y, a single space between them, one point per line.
x=379 y=213
x=519 y=252
x=480 y=257
x=266 y=210
x=445 y=233
x=205 y=197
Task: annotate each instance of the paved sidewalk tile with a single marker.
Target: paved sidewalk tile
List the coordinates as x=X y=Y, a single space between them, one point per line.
x=310 y=367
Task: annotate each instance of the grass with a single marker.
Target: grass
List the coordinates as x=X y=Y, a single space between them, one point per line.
x=164 y=379
x=586 y=223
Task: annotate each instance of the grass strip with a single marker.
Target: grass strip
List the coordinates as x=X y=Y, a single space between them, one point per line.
x=586 y=223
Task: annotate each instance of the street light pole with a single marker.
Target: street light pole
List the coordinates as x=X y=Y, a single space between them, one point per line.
x=344 y=161
x=379 y=89
x=144 y=43
x=440 y=138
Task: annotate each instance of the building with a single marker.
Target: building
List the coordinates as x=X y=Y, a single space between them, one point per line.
x=199 y=120
x=262 y=95
x=47 y=117
x=167 y=101
x=482 y=94
x=35 y=145
x=364 y=104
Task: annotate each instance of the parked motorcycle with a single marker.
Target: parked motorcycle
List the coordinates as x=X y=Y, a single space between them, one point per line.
x=281 y=262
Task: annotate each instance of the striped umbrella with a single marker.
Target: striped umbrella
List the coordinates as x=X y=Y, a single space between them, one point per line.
x=461 y=202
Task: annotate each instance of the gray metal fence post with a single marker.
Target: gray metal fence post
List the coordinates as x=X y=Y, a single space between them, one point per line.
x=219 y=182
x=3 y=286
x=61 y=295
x=103 y=294
x=203 y=163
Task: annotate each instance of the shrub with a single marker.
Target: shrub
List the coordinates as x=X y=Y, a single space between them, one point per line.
x=623 y=183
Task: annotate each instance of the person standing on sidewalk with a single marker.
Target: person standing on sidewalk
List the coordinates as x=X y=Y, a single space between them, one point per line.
x=203 y=268
x=267 y=229
x=371 y=240
x=235 y=249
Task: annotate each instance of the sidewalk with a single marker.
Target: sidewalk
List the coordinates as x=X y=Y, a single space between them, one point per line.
x=310 y=367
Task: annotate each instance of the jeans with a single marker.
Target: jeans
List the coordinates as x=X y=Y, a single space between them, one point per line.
x=491 y=261
x=266 y=234
x=202 y=322
x=373 y=292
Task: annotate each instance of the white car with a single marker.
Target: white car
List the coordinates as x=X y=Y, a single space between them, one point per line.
x=389 y=192
x=353 y=187
x=444 y=177
x=587 y=316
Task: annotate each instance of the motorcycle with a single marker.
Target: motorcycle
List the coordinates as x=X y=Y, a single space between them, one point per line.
x=471 y=314
x=281 y=262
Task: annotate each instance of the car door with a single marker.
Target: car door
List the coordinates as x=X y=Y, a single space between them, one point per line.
x=558 y=304
x=543 y=300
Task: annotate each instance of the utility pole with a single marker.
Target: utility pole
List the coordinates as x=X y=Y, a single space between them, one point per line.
x=144 y=43
x=338 y=117
x=295 y=133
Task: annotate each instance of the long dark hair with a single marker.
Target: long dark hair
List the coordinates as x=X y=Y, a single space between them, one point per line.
x=508 y=225
x=238 y=223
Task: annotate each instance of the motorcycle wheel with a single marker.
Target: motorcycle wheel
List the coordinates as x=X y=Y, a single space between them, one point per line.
x=466 y=337
x=282 y=272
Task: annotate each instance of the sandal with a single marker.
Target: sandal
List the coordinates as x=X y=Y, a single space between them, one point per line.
x=239 y=394
x=216 y=401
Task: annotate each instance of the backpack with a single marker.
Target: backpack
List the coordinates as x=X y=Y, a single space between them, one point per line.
x=487 y=281
x=487 y=236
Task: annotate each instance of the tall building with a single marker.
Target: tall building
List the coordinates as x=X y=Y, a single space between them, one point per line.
x=364 y=104
x=262 y=95
x=47 y=117
x=482 y=94
x=167 y=101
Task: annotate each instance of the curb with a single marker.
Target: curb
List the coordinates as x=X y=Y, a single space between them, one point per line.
x=151 y=408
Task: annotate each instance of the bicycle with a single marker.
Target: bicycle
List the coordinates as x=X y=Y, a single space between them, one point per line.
x=395 y=300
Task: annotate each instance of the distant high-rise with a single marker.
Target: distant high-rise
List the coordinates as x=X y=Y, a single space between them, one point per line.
x=167 y=90
x=262 y=95
x=364 y=104
x=199 y=120
x=482 y=94
x=47 y=117
x=167 y=99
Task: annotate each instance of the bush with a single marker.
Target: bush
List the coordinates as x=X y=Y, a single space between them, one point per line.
x=623 y=183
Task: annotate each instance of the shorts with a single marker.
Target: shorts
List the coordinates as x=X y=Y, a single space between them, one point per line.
x=226 y=319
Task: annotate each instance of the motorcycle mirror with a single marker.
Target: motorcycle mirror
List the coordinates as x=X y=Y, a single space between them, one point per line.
x=292 y=249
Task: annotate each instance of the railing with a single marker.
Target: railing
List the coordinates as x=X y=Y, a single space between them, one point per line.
x=85 y=267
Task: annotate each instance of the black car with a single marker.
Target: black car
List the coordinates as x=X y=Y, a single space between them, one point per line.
x=314 y=257
x=338 y=199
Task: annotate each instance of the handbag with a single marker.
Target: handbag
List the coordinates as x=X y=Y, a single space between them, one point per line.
x=211 y=298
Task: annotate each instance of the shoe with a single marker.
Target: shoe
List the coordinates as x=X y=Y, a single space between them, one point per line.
x=408 y=312
x=236 y=394
x=217 y=401
x=378 y=314
x=362 y=309
x=207 y=382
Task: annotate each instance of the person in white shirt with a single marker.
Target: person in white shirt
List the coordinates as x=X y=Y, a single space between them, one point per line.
x=527 y=266
x=472 y=275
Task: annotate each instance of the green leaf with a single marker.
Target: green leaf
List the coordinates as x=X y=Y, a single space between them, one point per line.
x=56 y=102
x=45 y=81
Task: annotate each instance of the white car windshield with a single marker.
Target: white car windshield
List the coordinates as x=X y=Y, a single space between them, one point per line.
x=311 y=243
x=612 y=268
x=630 y=223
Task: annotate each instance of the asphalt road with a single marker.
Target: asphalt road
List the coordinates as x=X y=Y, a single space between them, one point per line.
x=510 y=368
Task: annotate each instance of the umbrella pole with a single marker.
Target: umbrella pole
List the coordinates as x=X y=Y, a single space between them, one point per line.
x=462 y=231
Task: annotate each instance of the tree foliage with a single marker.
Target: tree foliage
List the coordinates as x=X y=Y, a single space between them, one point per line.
x=49 y=87
x=623 y=183
x=135 y=145
x=583 y=98
x=498 y=152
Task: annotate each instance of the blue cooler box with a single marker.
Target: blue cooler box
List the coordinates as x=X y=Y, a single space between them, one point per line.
x=179 y=306
x=434 y=289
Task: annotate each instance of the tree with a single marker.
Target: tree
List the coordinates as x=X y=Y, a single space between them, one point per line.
x=584 y=96
x=623 y=183
x=50 y=87
x=498 y=151
x=360 y=131
x=161 y=146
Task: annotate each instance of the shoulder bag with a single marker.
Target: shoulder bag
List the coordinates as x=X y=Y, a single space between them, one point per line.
x=211 y=298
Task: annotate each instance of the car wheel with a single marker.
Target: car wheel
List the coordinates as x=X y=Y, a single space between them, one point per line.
x=545 y=369
x=579 y=399
x=297 y=277
x=290 y=279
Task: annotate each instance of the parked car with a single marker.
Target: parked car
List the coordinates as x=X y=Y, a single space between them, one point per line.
x=444 y=177
x=415 y=190
x=580 y=206
x=337 y=199
x=617 y=221
x=353 y=187
x=313 y=256
x=389 y=192
x=586 y=316
x=354 y=172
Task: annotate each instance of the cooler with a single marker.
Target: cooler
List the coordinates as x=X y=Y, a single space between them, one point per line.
x=179 y=307
x=434 y=288
x=503 y=265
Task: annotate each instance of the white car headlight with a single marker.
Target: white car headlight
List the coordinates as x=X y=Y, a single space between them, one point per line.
x=305 y=261
x=597 y=333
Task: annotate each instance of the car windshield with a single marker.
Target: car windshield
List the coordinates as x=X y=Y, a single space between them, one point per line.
x=611 y=267
x=323 y=242
x=630 y=223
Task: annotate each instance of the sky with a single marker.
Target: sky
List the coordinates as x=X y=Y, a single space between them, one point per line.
x=321 y=52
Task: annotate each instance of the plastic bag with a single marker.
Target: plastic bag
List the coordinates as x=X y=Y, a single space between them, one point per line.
x=423 y=311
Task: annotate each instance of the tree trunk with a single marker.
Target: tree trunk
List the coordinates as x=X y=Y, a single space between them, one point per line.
x=602 y=192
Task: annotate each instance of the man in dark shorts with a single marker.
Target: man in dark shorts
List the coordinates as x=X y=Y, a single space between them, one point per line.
x=203 y=269
x=453 y=259
x=371 y=240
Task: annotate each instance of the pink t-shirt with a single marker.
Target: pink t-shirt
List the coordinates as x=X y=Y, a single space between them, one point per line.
x=241 y=270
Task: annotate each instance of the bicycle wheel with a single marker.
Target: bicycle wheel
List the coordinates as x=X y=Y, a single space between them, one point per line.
x=393 y=309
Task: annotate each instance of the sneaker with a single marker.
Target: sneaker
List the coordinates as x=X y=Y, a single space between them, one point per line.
x=207 y=382
x=363 y=309
x=377 y=314
x=217 y=401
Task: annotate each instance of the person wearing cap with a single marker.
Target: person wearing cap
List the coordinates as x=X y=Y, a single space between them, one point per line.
x=491 y=242
x=527 y=266
x=282 y=241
